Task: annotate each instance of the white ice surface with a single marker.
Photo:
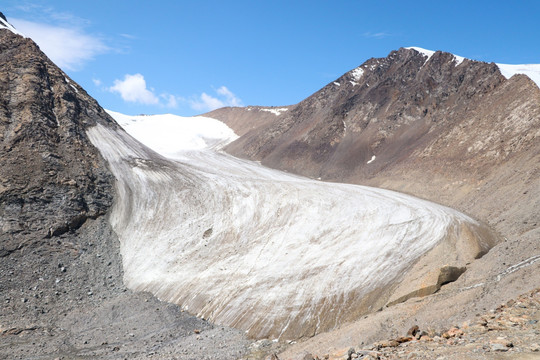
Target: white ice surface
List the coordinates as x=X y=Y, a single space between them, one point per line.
x=241 y=244
x=168 y=134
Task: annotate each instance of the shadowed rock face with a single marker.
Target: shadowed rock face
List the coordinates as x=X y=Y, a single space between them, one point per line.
x=52 y=179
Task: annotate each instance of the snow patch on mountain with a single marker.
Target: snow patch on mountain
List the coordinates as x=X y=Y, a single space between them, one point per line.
x=6 y=25
x=275 y=111
x=508 y=70
x=427 y=53
x=357 y=73
x=531 y=70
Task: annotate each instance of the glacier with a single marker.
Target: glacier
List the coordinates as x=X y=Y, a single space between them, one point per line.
x=275 y=254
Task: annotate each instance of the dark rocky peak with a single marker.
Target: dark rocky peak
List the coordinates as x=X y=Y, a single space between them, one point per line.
x=414 y=82
x=383 y=107
x=4 y=24
x=405 y=66
x=52 y=178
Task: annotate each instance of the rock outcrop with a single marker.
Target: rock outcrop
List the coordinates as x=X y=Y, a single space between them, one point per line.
x=52 y=179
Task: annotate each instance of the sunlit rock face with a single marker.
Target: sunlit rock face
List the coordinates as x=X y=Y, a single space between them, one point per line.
x=277 y=255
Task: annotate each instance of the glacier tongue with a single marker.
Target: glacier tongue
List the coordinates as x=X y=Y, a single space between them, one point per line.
x=275 y=254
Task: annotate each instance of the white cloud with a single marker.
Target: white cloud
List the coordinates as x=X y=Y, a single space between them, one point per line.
x=377 y=35
x=133 y=89
x=67 y=46
x=206 y=102
x=172 y=101
x=231 y=99
x=97 y=82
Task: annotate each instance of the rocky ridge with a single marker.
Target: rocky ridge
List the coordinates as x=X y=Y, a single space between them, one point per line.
x=250 y=118
x=48 y=167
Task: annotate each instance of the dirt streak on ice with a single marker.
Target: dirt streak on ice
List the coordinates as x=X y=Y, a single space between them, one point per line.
x=244 y=245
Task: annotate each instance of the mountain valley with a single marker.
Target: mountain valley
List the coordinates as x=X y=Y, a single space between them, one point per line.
x=404 y=193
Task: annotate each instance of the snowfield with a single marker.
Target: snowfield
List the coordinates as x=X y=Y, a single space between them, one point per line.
x=278 y=255
x=178 y=135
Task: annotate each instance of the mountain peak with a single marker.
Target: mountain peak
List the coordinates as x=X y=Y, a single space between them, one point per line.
x=4 y=24
x=430 y=53
x=507 y=70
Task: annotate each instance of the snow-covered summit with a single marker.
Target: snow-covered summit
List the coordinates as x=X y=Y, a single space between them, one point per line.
x=508 y=70
x=4 y=24
x=429 y=54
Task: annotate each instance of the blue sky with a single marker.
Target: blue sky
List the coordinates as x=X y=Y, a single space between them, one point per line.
x=187 y=57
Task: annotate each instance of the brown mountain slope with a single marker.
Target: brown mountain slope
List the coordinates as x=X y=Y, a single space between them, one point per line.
x=459 y=134
x=437 y=129
x=396 y=104
x=248 y=119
